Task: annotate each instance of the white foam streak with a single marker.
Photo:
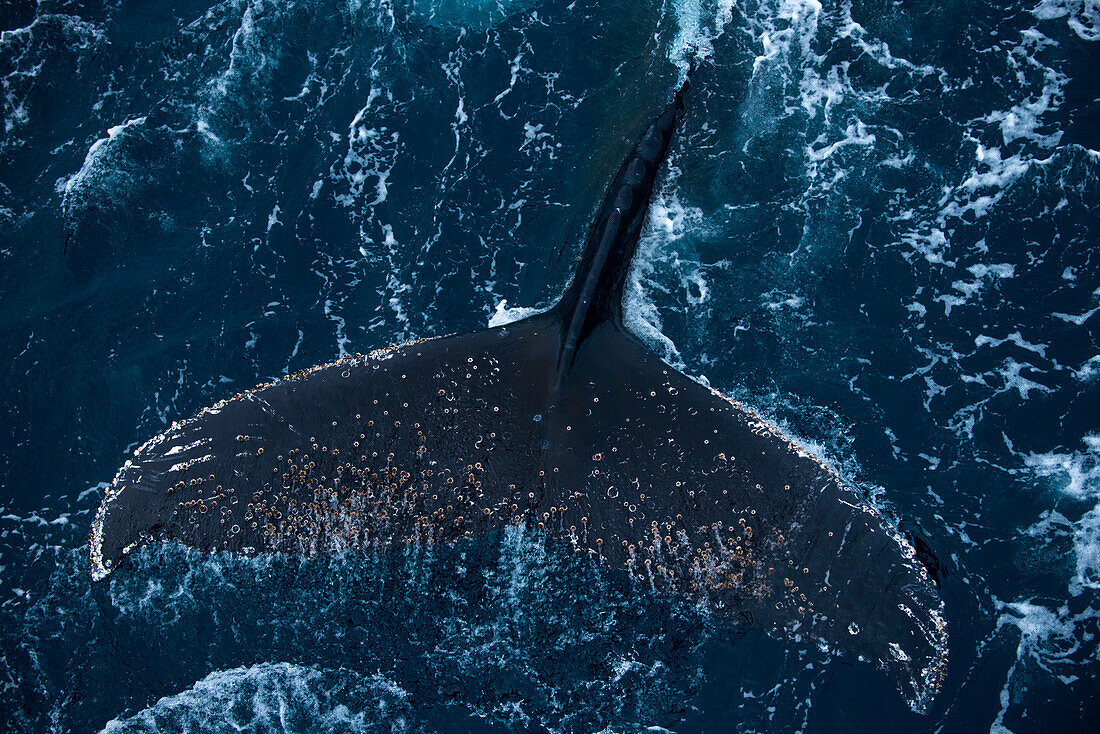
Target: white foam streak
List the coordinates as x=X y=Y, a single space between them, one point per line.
x=249 y=65
x=785 y=32
x=29 y=55
x=280 y=697
x=98 y=157
x=1050 y=637
x=669 y=220
x=475 y=14
x=996 y=170
x=699 y=24
x=1077 y=476
x=855 y=134
x=506 y=314
x=1083 y=16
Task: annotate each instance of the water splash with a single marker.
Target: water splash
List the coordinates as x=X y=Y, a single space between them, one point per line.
x=699 y=23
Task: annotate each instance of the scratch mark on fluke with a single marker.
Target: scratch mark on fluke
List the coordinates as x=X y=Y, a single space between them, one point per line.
x=565 y=422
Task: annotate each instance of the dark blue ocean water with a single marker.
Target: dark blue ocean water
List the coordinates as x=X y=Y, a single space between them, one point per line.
x=879 y=226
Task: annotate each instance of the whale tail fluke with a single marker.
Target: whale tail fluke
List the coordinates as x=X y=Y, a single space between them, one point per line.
x=563 y=421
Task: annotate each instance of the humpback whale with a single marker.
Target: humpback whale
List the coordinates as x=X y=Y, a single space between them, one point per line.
x=564 y=422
